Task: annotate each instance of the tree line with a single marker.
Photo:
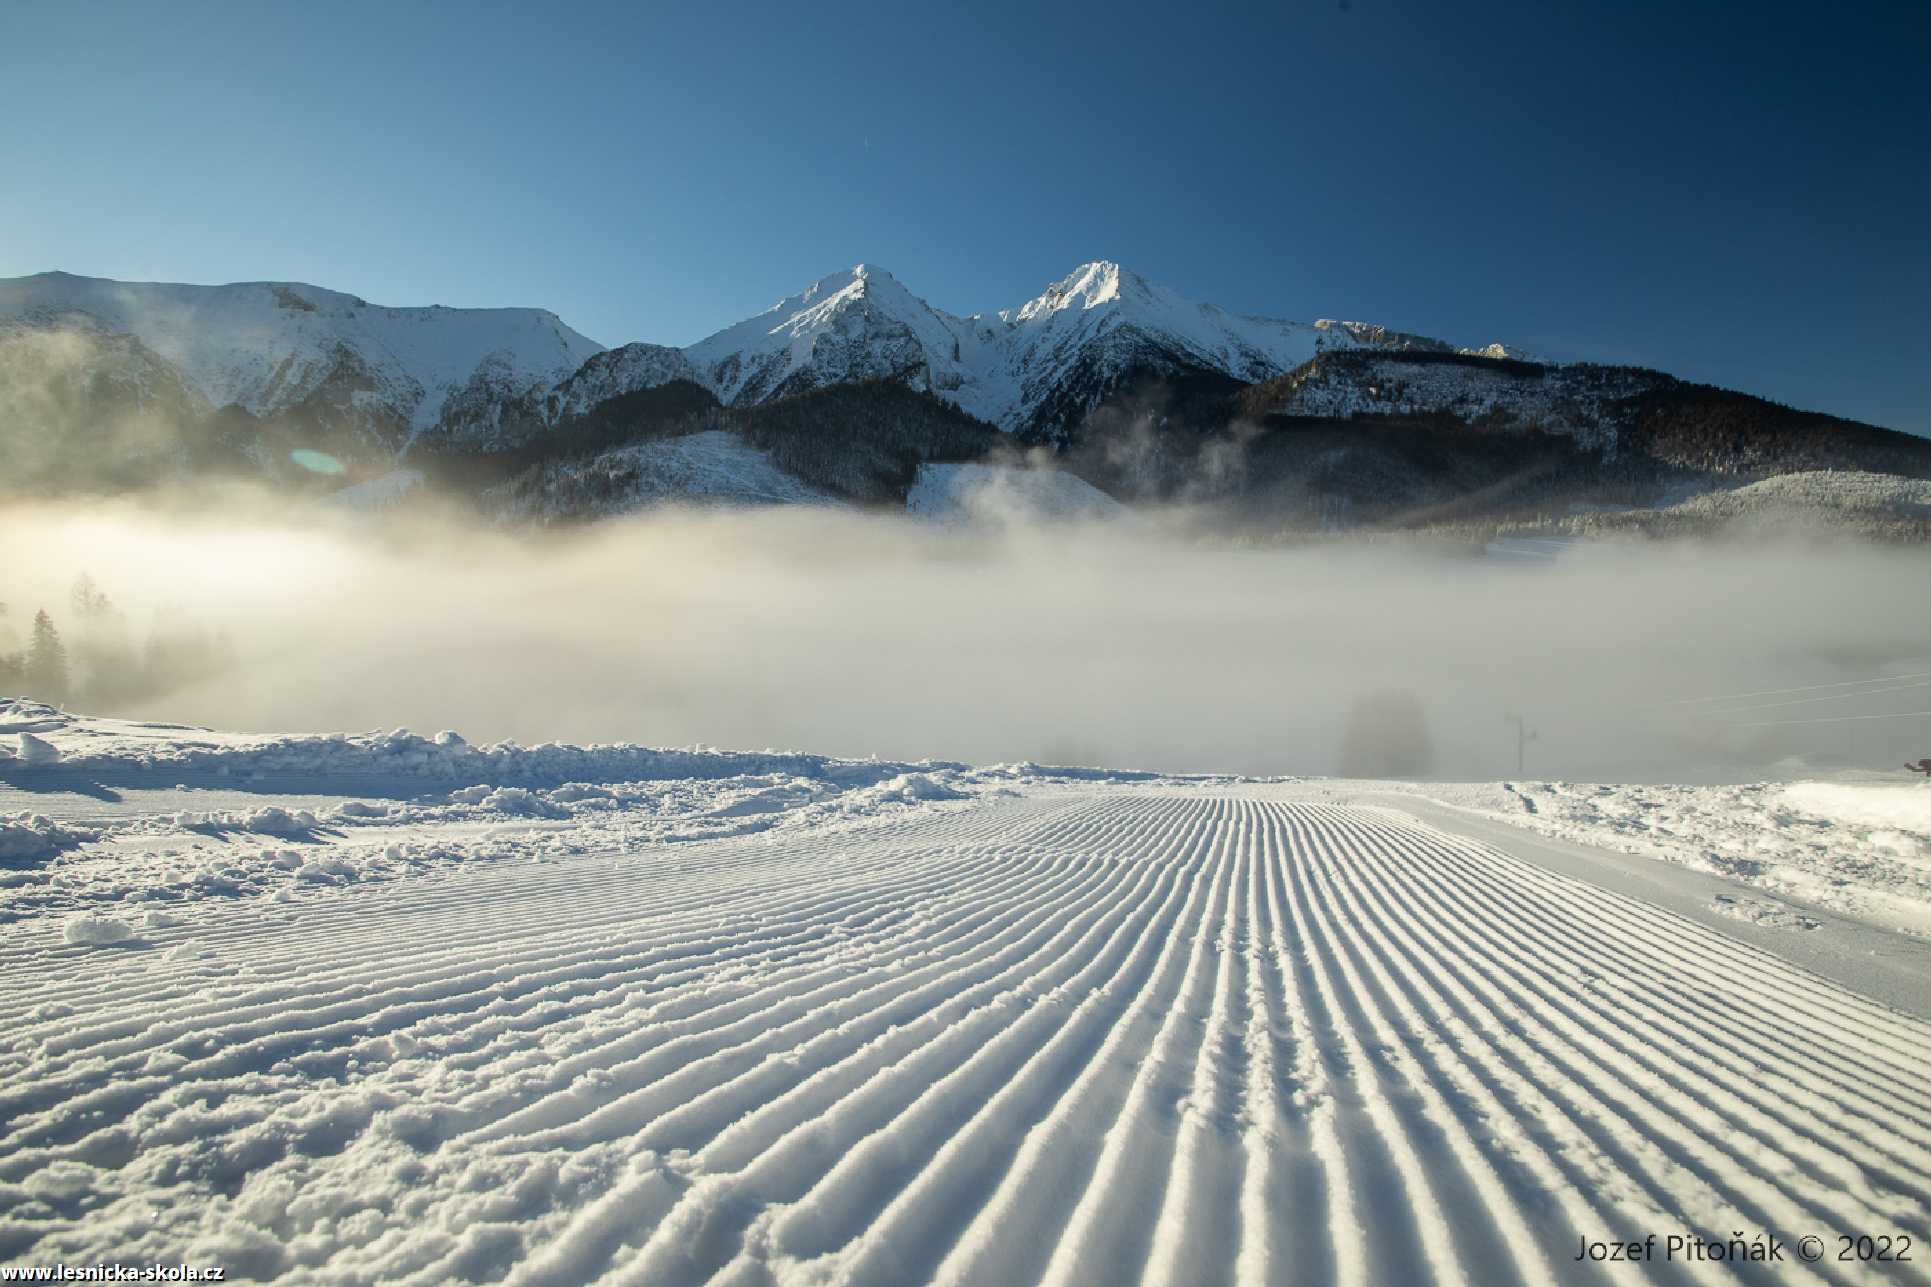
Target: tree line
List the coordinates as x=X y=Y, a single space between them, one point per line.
x=98 y=663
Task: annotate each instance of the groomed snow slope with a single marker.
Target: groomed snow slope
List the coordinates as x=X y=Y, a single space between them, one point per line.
x=1099 y=1033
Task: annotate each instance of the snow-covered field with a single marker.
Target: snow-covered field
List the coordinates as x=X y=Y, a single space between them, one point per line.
x=390 y=1008
x=1861 y=849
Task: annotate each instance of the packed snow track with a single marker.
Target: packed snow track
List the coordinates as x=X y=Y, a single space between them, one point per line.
x=1090 y=1035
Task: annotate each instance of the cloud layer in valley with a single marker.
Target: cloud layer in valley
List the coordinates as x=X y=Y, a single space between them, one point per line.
x=1106 y=643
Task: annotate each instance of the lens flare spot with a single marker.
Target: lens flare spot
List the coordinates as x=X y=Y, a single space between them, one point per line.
x=316 y=462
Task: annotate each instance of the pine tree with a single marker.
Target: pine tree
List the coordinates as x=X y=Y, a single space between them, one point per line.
x=45 y=676
x=104 y=670
x=87 y=599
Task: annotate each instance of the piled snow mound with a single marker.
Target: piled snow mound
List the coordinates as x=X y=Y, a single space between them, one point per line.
x=30 y=836
x=999 y=493
x=327 y=869
x=910 y=788
x=36 y=751
x=88 y=928
x=273 y=820
x=516 y=800
x=25 y=715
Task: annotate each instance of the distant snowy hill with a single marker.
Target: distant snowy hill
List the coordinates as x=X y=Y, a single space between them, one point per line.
x=710 y=468
x=614 y=372
x=273 y=347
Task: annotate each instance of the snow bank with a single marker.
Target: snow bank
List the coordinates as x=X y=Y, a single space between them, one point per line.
x=451 y=805
x=104 y=745
x=1861 y=850
x=1905 y=807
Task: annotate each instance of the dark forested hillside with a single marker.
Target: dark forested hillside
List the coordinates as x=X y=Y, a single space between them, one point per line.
x=864 y=442
x=1421 y=437
x=861 y=443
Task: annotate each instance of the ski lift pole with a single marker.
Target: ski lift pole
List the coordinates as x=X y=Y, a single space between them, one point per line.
x=1523 y=736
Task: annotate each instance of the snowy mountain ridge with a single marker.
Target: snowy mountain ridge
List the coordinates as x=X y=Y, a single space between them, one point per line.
x=1070 y=343
x=485 y=378
x=269 y=346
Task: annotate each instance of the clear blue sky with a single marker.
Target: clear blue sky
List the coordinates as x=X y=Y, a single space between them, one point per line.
x=1735 y=193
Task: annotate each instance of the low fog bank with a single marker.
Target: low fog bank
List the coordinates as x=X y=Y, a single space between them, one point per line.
x=1114 y=643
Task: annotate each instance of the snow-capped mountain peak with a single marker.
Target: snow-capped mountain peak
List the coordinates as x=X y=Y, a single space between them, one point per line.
x=854 y=325
x=1051 y=358
x=849 y=284
x=828 y=296
x=1088 y=286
